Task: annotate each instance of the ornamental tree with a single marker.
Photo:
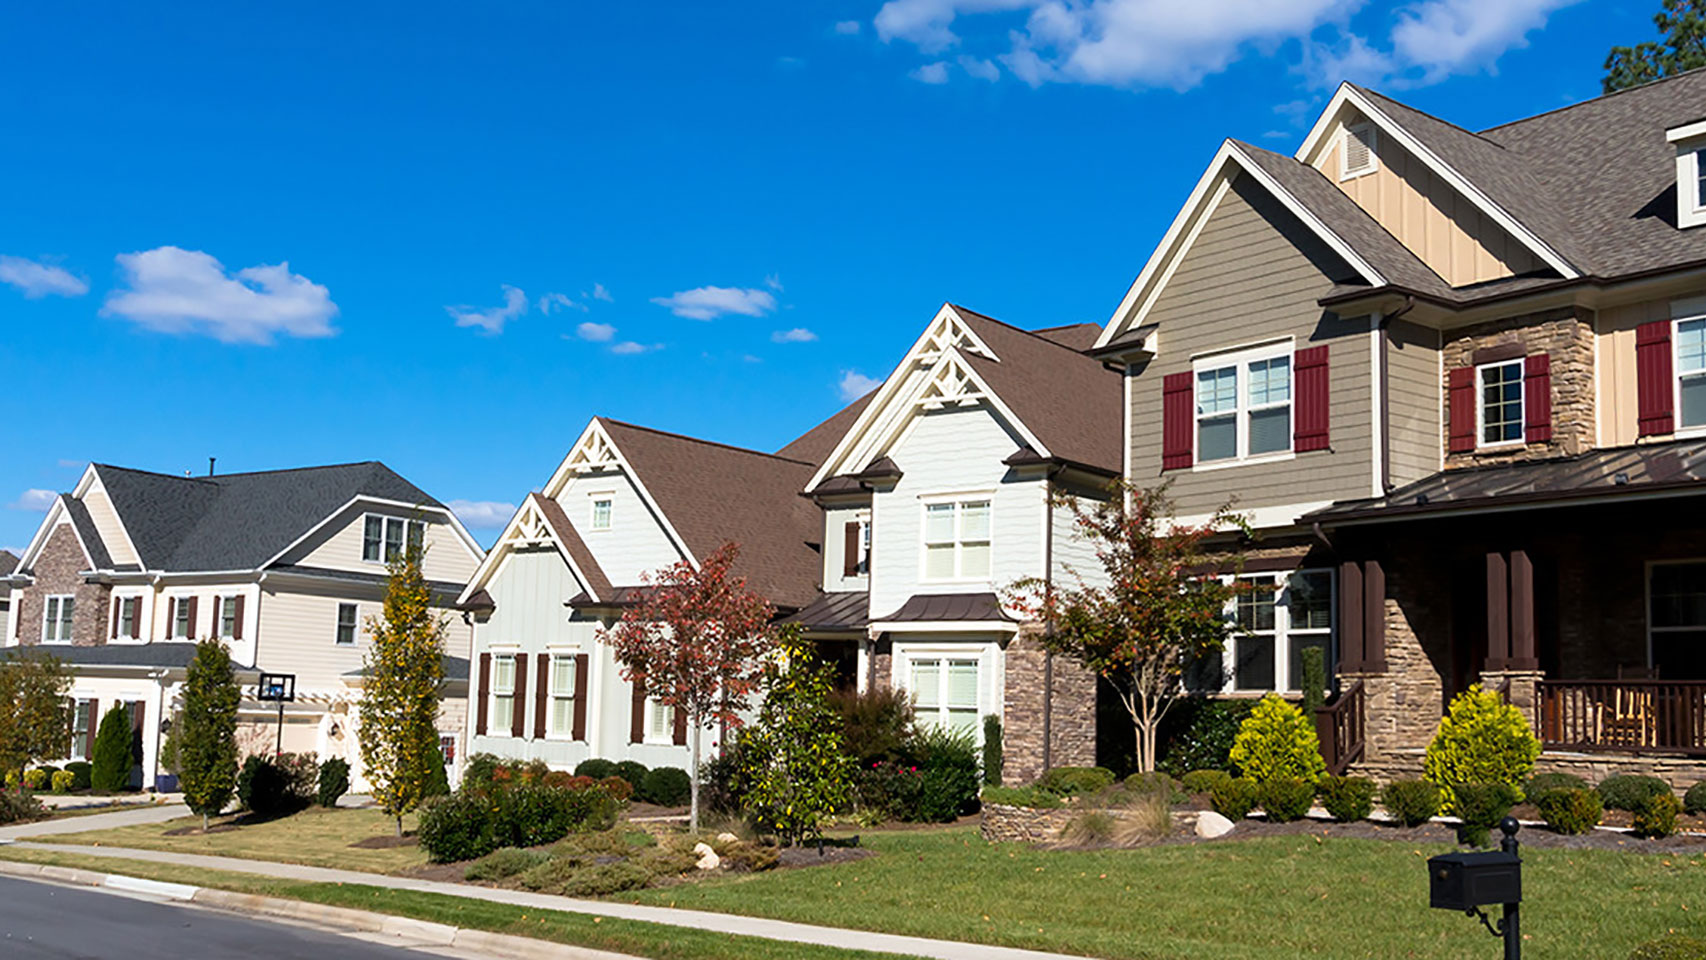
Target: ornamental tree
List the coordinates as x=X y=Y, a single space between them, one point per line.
x=402 y=672
x=794 y=769
x=1150 y=615
x=205 y=732
x=35 y=717
x=696 y=641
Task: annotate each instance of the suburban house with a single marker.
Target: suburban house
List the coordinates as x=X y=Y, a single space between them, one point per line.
x=286 y=567
x=626 y=501
x=1458 y=381
x=937 y=498
x=8 y=563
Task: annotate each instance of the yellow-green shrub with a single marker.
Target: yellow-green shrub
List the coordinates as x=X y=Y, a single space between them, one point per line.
x=1277 y=741
x=1481 y=739
x=63 y=781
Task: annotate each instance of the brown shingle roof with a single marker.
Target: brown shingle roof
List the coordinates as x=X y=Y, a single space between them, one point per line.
x=712 y=494
x=8 y=562
x=815 y=445
x=565 y=530
x=1073 y=336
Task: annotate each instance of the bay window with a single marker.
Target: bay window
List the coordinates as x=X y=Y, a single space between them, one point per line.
x=1243 y=404
x=957 y=540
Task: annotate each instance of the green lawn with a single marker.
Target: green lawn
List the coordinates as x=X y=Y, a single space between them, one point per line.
x=1276 y=897
x=318 y=837
x=654 y=940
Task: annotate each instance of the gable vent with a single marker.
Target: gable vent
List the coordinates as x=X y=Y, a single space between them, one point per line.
x=1357 y=157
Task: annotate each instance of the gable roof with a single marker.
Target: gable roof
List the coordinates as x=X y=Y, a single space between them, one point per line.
x=1072 y=336
x=8 y=562
x=93 y=545
x=816 y=444
x=565 y=532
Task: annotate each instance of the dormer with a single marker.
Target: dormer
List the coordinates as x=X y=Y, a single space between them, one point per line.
x=1690 y=143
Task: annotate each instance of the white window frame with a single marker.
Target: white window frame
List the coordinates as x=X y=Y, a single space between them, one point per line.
x=53 y=613
x=554 y=696
x=1355 y=131
x=1282 y=632
x=1677 y=374
x=410 y=528
x=1647 y=611
x=136 y=630
x=1240 y=361
x=354 y=626
x=226 y=606
x=178 y=607
x=609 y=501
x=1481 y=441
x=81 y=737
x=959 y=501
x=497 y=694
x=989 y=677
x=654 y=710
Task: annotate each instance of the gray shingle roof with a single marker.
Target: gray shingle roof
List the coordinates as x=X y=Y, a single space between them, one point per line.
x=8 y=562
x=237 y=521
x=455 y=669
x=154 y=655
x=99 y=557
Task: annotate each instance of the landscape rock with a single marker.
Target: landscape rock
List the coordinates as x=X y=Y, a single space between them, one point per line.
x=1211 y=825
x=727 y=838
x=708 y=859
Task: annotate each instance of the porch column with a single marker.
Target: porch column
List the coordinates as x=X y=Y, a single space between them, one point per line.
x=1374 y=617
x=1351 y=657
x=1498 y=612
x=1522 y=655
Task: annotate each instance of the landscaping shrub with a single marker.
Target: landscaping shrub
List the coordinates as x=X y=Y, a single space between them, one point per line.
x=1694 y=801
x=992 y=749
x=503 y=864
x=949 y=775
x=437 y=780
x=1198 y=734
x=634 y=772
x=1033 y=797
x=1481 y=806
x=718 y=776
x=301 y=777
x=1657 y=816
x=1234 y=797
x=1411 y=802
x=1543 y=783
x=333 y=782
x=1203 y=781
x=62 y=781
x=1629 y=791
x=1672 y=947
x=35 y=779
x=470 y=824
x=1276 y=742
x=112 y=754
x=601 y=879
x=20 y=808
x=1481 y=739
x=618 y=788
x=1570 y=810
x=878 y=724
x=1157 y=783
x=1313 y=679
x=479 y=770
x=1150 y=817
x=81 y=770
x=1285 y=799
x=270 y=788
x=1072 y=781
x=1092 y=827
x=1348 y=799
x=664 y=786
x=596 y=767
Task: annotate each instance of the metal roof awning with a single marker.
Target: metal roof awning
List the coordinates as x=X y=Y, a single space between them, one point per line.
x=846 y=610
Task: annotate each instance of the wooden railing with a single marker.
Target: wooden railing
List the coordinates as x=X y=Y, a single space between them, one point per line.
x=1340 y=728
x=1623 y=716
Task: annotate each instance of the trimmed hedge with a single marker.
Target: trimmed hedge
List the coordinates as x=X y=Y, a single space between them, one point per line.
x=1203 y=781
x=473 y=823
x=1234 y=797
x=664 y=786
x=597 y=768
x=1694 y=801
x=1570 y=811
x=1348 y=798
x=82 y=771
x=1411 y=802
x=1657 y=816
x=1285 y=799
x=1072 y=781
x=333 y=782
x=1481 y=806
x=634 y=772
x=1630 y=792
x=1543 y=783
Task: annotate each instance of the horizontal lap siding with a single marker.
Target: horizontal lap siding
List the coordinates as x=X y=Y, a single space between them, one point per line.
x=1255 y=273
x=635 y=543
x=1416 y=405
x=339 y=545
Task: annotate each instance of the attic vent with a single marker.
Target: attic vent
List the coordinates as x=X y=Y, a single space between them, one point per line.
x=1357 y=158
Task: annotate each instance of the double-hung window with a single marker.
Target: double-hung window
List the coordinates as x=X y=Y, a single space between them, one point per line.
x=1243 y=404
x=383 y=538
x=1691 y=372
x=503 y=694
x=660 y=722
x=56 y=619
x=601 y=511
x=563 y=696
x=346 y=624
x=1277 y=616
x=82 y=720
x=1499 y=413
x=227 y=617
x=1676 y=619
x=129 y=618
x=944 y=693
x=956 y=540
x=183 y=626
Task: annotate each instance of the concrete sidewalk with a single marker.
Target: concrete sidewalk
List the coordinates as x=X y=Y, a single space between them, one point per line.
x=129 y=816
x=698 y=919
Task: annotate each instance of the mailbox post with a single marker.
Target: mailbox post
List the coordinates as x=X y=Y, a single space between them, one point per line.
x=1469 y=881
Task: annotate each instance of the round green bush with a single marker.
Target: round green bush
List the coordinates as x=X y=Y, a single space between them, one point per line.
x=632 y=771
x=1543 y=783
x=470 y=824
x=1154 y=782
x=1411 y=802
x=1203 y=781
x=333 y=782
x=1570 y=810
x=62 y=780
x=1694 y=801
x=597 y=768
x=1657 y=816
x=665 y=786
x=1072 y=781
x=1480 y=807
x=1348 y=798
x=1673 y=947
x=81 y=770
x=1630 y=792
x=1234 y=797
x=1285 y=799
x=1481 y=739
x=1276 y=742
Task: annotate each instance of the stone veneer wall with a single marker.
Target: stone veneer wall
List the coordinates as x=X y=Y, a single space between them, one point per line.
x=1072 y=721
x=1680 y=772
x=1004 y=824
x=55 y=571
x=1565 y=334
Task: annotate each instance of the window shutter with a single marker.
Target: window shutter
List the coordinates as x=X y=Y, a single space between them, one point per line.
x=137 y=709
x=89 y=728
x=680 y=727
x=1537 y=397
x=1311 y=414
x=1462 y=391
x=118 y=604
x=580 y=696
x=171 y=618
x=518 y=716
x=237 y=618
x=1653 y=383
x=850 y=549
x=542 y=702
x=213 y=630
x=192 y=605
x=1176 y=441
x=485 y=694
x=637 y=712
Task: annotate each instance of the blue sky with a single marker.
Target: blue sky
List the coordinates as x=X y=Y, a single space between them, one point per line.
x=445 y=235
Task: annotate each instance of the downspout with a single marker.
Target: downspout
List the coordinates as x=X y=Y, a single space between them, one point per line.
x=1385 y=379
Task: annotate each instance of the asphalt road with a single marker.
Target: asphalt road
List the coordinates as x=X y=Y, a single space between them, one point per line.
x=39 y=920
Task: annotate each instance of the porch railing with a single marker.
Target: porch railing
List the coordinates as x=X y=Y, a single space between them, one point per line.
x=1622 y=716
x=1340 y=727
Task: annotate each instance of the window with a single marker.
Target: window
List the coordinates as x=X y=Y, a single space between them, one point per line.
x=1676 y=619
x=956 y=540
x=228 y=616
x=1700 y=179
x=82 y=720
x=346 y=624
x=56 y=619
x=503 y=694
x=1244 y=405
x=1278 y=617
x=563 y=696
x=945 y=693
x=1253 y=667
x=1691 y=372
x=447 y=747
x=601 y=513
x=382 y=538
x=182 y=625
x=129 y=618
x=660 y=722
x=1501 y=402
x=1309 y=621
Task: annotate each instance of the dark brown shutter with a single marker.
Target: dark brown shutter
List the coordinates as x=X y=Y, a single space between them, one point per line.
x=1177 y=444
x=1462 y=394
x=637 y=712
x=680 y=727
x=118 y=605
x=214 y=631
x=192 y=606
x=518 y=716
x=237 y=618
x=171 y=618
x=1312 y=413
x=542 y=701
x=850 y=549
x=1537 y=397
x=484 y=694
x=89 y=728
x=580 y=695
x=1653 y=385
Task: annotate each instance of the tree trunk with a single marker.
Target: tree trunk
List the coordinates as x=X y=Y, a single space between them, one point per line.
x=693 y=775
x=204 y=823
x=399 y=826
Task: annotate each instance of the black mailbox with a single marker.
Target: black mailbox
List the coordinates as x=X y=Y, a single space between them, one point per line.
x=1464 y=881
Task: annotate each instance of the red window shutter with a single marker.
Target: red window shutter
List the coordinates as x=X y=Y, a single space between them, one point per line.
x=1653 y=381
x=637 y=713
x=118 y=604
x=542 y=702
x=518 y=716
x=680 y=727
x=580 y=695
x=485 y=694
x=850 y=549
x=1462 y=391
x=171 y=618
x=237 y=618
x=1177 y=444
x=89 y=728
x=218 y=602
x=1537 y=397
x=1310 y=415
x=192 y=604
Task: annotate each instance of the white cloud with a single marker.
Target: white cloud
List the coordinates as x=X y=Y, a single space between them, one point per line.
x=926 y=22
x=599 y=293
x=173 y=290
x=980 y=68
x=38 y=280
x=491 y=320
x=1443 y=37
x=854 y=384
x=629 y=348
x=796 y=335
x=35 y=501
x=596 y=332
x=708 y=303
x=482 y=514
x=931 y=73
x=847 y=28
x=552 y=302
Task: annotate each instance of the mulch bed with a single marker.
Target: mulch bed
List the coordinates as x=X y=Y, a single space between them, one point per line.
x=643 y=810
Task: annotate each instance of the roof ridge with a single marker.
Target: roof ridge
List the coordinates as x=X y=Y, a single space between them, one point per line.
x=709 y=443
x=1033 y=334
x=1603 y=96
x=1060 y=326
x=1434 y=117
x=214 y=478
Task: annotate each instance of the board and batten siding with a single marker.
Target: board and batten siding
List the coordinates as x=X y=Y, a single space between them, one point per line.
x=1252 y=276
x=1619 y=403
x=338 y=545
x=1415 y=402
x=636 y=542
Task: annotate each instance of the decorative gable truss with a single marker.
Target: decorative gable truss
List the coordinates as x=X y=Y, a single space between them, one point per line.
x=592 y=453
x=529 y=527
x=950 y=383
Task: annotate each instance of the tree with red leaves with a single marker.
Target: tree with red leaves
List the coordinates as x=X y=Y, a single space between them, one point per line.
x=697 y=640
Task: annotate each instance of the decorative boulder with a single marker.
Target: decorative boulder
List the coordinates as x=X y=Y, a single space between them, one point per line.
x=1211 y=825
x=708 y=859
x=727 y=838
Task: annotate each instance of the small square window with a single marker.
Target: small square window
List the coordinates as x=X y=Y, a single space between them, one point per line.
x=346 y=624
x=601 y=513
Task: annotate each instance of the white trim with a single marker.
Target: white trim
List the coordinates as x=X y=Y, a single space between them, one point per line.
x=1521 y=406
x=1349 y=132
x=1262 y=518
x=553 y=655
x=1680 y=429
x=90 y=473
x=492 y=564
x=1282 y=632
x=594 y=498
x=942 y=626
x=653 y=708
x=1378 y=370
x=1688 y=184
x=1239 y=361
x=338 y=624
x=958 y=501
x=597 y=438
x=1687 y=131
x=59 y=601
